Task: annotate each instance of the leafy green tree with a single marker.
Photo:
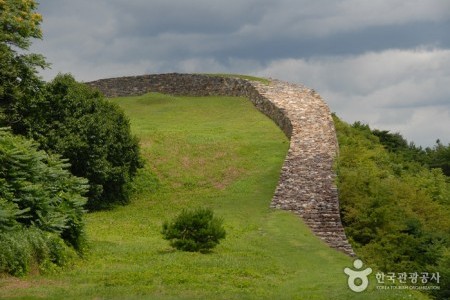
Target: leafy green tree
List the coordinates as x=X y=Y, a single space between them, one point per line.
x=41 y=208
x=196 y=230
x=72 y=119
x=444 y=270
x=395 y=210
x=399 y=148
x=37 y=190
x=19 y=24
x=440 y=157
x=64 y=116
x=392 y=141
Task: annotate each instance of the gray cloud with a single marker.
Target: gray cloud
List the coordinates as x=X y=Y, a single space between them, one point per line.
x=384 y=62
x=392 y=89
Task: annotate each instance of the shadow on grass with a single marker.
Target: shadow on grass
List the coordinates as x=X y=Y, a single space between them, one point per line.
x=173 y=250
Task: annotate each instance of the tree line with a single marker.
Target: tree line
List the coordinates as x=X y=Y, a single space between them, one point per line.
x=64 y=149
x=395 y=201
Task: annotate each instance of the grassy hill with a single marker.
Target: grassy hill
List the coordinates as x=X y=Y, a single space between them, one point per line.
x=216 y=152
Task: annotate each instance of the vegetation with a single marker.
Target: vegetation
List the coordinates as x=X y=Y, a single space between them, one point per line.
x=41 y=214
x=41 y=205
x=194 y=230
x=41 y=202
x=208 y=152
x=396 y=210
x=215 y=152
x=400 y=150
x=72 y=119
x=64 y=117
x=19 y=24
x=439 y=157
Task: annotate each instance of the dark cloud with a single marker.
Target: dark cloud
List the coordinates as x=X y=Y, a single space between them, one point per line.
x=385 y=62
x=153 y=18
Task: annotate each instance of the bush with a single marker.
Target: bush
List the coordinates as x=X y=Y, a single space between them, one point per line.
x=36 y=189
x=41 y=208
x=25 y=248
x=196 y=230
x=72 y=119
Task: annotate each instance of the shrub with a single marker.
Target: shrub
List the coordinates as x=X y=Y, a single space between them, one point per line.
x=196 y=230
x=41 y=208
x=72 y=119
x=37 y=190
x=23 y=248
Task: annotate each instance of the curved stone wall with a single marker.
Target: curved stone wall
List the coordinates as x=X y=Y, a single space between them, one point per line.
x=306 y=184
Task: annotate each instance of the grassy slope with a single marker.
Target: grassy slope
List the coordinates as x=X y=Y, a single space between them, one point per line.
x=216 y=152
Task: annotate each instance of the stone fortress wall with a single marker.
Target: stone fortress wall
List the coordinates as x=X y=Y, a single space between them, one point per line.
x=306 y=185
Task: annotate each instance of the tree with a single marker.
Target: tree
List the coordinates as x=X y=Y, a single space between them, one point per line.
x=392 y=141
x=196 y=230
x=394 y=209
x=64 y=116
x=19 y=24
x=37 y=190
x=72 y=119
x=440 y=157
x=41 y=207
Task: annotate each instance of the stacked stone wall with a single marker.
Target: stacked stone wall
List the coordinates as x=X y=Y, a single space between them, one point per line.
x=306 y=186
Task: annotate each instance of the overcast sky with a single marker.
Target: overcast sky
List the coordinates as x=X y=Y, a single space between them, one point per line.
x=382 y=62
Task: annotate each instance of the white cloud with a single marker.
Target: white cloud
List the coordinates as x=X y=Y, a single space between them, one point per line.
x=428 y=124
x=400 y=90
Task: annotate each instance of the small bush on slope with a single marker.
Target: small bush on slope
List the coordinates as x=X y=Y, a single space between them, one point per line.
x=73 y=120
x=196 y=230
x=41 y=207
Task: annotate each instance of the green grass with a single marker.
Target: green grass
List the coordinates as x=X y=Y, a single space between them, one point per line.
x=216 y=152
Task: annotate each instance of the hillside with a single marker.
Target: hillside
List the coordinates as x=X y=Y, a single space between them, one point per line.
x=395 y=203
x=216 y=152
